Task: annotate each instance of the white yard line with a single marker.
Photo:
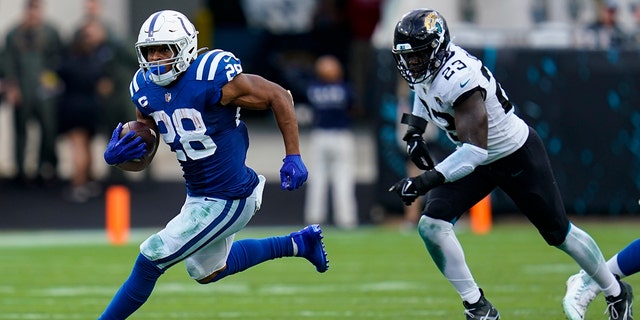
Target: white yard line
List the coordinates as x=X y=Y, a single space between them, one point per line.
x=63 y=238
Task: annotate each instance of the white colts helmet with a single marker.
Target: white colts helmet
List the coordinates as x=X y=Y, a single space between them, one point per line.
x=170 y=28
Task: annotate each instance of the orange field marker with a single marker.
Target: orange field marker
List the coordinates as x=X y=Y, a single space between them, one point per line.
x=118 y=207
x=480 y=213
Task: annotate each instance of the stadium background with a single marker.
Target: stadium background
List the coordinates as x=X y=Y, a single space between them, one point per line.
x=583 y=102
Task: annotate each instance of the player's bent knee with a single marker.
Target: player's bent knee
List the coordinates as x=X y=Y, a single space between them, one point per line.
x=430 y=228
x=556 y=236
x=439 y=209
x=212 y=276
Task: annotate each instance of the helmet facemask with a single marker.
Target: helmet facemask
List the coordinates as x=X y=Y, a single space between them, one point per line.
x=419 y=65
x=164 y=71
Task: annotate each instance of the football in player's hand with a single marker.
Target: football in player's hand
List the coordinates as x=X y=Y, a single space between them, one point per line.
x=148 y=136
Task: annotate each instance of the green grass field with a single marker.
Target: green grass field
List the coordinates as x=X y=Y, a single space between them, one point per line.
x=375 y=273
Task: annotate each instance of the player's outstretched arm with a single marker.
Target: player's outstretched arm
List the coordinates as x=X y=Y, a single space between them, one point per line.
x=254 y=92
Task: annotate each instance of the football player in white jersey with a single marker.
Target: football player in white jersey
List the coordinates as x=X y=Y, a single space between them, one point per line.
x=495 y=148
x=193 y=99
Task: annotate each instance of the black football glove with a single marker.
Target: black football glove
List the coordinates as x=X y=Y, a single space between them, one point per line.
x=417 y=149
x=409 y=189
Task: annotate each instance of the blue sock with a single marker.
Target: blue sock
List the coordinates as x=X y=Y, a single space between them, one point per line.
x=629 y=258
x=134 y=291
x=247 y=253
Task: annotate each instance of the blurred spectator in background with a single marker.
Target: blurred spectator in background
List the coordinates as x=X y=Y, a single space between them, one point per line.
x=229 y=24
x=3 y=85
x=87 y=84
x=605 y=32
x=118 y=61
x=93 y=10
x=122 y=62
x=635 y=31
x=33 y=49
x=332 y=147
x=363 y=15
x=286 y=54
x=331 y=34
x=280 y=17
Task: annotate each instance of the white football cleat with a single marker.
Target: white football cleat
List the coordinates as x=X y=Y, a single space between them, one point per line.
x=581 y=290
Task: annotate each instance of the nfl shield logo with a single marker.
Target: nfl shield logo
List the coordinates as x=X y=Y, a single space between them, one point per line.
x=167 y=96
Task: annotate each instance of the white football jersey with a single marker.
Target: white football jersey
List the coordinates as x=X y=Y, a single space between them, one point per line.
x=458 y=77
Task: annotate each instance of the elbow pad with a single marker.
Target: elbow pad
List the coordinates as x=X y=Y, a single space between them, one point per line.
x=462 y=162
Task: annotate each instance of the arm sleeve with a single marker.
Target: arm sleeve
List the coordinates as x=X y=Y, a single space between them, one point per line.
x=462 y=162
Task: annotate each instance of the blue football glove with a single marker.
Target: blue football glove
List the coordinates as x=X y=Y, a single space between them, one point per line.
x=124 y=149
x=293 y=172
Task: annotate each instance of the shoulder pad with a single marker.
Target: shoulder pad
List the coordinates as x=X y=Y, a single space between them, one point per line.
x=139 y=80
x=213 y=63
